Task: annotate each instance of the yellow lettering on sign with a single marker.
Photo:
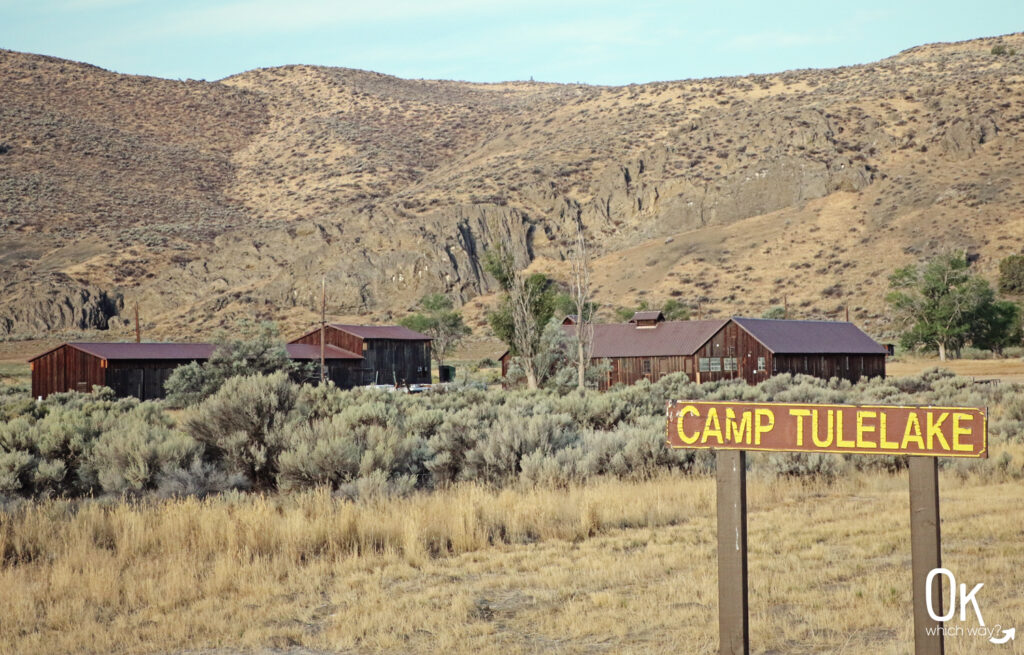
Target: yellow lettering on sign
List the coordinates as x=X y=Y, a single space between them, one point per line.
x=840 y=442
x=863 y=429
x=762 y=427
x=912 y=432
x=736 y=431
x=935 y=430
x=800 y=414
x=818 y=441
x=959 y=431
x=882 y=434
x=712 y=427
x=689 y=410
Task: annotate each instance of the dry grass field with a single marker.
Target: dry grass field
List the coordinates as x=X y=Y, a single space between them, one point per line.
x=613 y=567
x=1006 y=370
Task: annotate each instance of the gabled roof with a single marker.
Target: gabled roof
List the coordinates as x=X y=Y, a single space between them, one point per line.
x=185 y=351
x=392 y=332
x=667 y=338
x=810 y=337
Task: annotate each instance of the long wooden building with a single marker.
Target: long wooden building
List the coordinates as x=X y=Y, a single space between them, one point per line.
x=648 y=347
x=141 y=369
x=391 y=354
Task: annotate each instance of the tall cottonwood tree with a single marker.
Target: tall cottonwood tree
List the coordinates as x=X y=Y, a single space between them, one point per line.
x=525 y=309
x=579 y=289
x=945 y=306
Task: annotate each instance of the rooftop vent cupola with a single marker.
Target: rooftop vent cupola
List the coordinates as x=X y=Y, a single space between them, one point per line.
x=648 y=319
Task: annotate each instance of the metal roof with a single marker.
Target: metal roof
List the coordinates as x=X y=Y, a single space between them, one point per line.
x=132 y=350
x=392 y=332
x=810 y=337
x=186 y=351
x=667 y=338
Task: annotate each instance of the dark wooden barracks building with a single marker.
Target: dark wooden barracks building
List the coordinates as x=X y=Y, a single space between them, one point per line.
x=752 y=349
x=389 y=354
x=353 y=356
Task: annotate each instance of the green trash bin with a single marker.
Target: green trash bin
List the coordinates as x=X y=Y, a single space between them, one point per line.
x=446 y=373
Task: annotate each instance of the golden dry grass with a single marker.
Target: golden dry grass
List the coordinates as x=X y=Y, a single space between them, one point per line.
x=611 y=567
x=1007 y=370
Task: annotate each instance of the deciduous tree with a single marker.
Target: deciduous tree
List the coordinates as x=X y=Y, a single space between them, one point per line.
x=441 y=322
x=527 y=306
x=944 y=306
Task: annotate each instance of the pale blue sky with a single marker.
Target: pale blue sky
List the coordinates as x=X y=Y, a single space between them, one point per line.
x=595 y=41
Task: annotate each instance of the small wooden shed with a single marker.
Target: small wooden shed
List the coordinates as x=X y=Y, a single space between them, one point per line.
x=141 y=369
x=391 y=354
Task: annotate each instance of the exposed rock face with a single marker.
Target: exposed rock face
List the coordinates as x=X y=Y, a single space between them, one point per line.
x=368 y=261
x=56 y=303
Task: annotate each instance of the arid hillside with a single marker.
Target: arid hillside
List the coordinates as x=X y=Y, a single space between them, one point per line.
x=209 y=201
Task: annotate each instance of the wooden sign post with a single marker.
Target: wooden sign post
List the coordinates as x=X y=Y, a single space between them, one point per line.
x=733 y=626
x=732 y=428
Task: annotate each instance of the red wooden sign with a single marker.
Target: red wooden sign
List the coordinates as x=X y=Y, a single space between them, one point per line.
x=861 y=429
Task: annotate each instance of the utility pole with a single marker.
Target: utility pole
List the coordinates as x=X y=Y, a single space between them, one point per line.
x=323 y=326
x=138 y=332
x=785 y=307
x=847 y=313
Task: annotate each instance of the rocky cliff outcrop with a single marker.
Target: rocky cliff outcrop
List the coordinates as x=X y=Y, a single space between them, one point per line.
x=55 y=303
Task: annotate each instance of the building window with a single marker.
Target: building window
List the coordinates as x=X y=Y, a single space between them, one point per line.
x=704 y=364
x=729 y=363
x=647 y=366
x=716 y=364
x=760 y=363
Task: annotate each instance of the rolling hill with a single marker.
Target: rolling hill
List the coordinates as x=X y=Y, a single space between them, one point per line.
x=209 y=201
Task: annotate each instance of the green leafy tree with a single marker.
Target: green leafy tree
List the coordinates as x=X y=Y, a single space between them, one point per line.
x=775 y=313
x=997 y=326
x=252 y=348
x=565 y=305
x=944 y=306
x=525 y=308
x=441 y=322
x=1011 y=275
x=555 y=363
